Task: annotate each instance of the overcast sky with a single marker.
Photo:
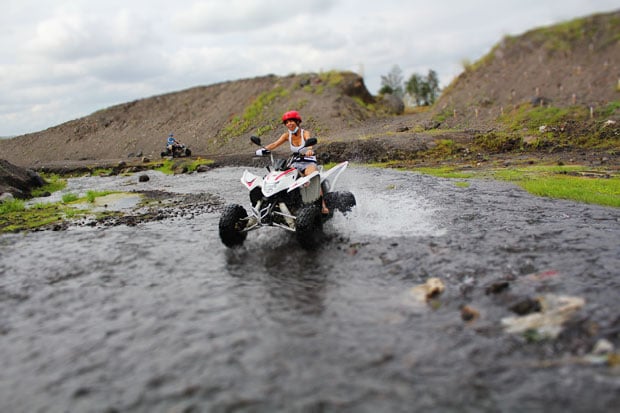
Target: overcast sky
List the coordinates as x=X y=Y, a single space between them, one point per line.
x=64 y=59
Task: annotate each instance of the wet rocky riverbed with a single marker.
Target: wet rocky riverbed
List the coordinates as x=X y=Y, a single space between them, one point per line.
x=428 y=296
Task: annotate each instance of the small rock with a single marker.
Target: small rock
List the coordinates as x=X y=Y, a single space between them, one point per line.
x=431 y=125
x=497 y=287
x=602 y=347
x=430 y=289
x=555 y=310
x=469 y=314
x=143 y=178
x=145 y=160
x=6 y=196
x=526 y=306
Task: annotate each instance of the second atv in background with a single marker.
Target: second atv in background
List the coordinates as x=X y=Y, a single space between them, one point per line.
x=175 y=148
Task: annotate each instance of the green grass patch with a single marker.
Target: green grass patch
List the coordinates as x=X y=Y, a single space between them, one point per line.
x=533 y=172
x=102 y=172
x=92 y=195
x=253 y=113
x=15 y=216
x=170 y=166
x=167 y=167
x=445 y=172
x=533 y=117
x=565 y=182
x=29 y=218
x=589 y=190
x=53 y=184
x=12 y=205
x=331 y=78
x=571 y=182
x=389 y=164
x=197 y=162
x=497 y=142
x=69 y=197
x=611 y=107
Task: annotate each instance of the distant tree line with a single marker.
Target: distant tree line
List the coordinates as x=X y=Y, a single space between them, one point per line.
x=418 y=89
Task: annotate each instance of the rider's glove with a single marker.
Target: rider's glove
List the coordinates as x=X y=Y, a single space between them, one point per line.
x=260 y=152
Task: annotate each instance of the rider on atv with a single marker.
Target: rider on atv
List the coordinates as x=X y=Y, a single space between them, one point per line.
x=296 y=137
x=171 y=143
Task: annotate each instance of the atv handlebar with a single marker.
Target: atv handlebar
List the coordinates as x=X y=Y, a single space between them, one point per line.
x=256 y=141
x=295 y=157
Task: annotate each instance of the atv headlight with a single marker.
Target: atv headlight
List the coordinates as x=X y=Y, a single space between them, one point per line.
x=270 y=186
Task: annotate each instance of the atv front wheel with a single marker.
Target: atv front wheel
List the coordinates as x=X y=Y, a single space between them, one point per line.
x=309 y=227
x=232 y=222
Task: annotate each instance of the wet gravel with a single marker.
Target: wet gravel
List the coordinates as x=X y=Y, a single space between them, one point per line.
x=158 y=315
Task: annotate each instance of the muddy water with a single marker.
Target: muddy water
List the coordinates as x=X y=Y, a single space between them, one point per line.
x=162 y=317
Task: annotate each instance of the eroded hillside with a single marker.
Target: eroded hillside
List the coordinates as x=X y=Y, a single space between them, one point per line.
x=576 y=63
x=214 y=119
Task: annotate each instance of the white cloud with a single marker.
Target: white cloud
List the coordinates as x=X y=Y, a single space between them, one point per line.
x=68 y=58
x=216 y=16
x=73 y=37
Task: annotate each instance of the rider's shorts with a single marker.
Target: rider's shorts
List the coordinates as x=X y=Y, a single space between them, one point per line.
x=301 y=166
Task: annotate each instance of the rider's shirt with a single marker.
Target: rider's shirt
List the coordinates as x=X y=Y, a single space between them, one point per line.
x=308 y=160
x=301 y=146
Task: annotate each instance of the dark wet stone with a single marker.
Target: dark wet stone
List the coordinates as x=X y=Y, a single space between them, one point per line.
x=17 y=180
x=526 y=306
x=497 y=287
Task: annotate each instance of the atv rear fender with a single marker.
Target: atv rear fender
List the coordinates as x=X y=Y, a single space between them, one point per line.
x=309 y=187
x=329 y=178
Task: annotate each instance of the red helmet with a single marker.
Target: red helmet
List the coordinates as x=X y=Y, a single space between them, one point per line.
x=292 y=114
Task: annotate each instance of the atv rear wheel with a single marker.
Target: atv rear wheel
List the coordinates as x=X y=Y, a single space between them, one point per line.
x=343 y=201
x=309 y=227
x=232 y=222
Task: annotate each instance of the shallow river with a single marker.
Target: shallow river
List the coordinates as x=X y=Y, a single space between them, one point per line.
x=161 y=317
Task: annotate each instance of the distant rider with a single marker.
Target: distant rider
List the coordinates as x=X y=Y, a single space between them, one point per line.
x=172 y=143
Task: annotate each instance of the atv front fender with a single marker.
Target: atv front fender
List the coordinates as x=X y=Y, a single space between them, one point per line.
x=251 y=181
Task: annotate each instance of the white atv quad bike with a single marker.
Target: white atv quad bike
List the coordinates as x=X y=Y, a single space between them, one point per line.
x=284 y=198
